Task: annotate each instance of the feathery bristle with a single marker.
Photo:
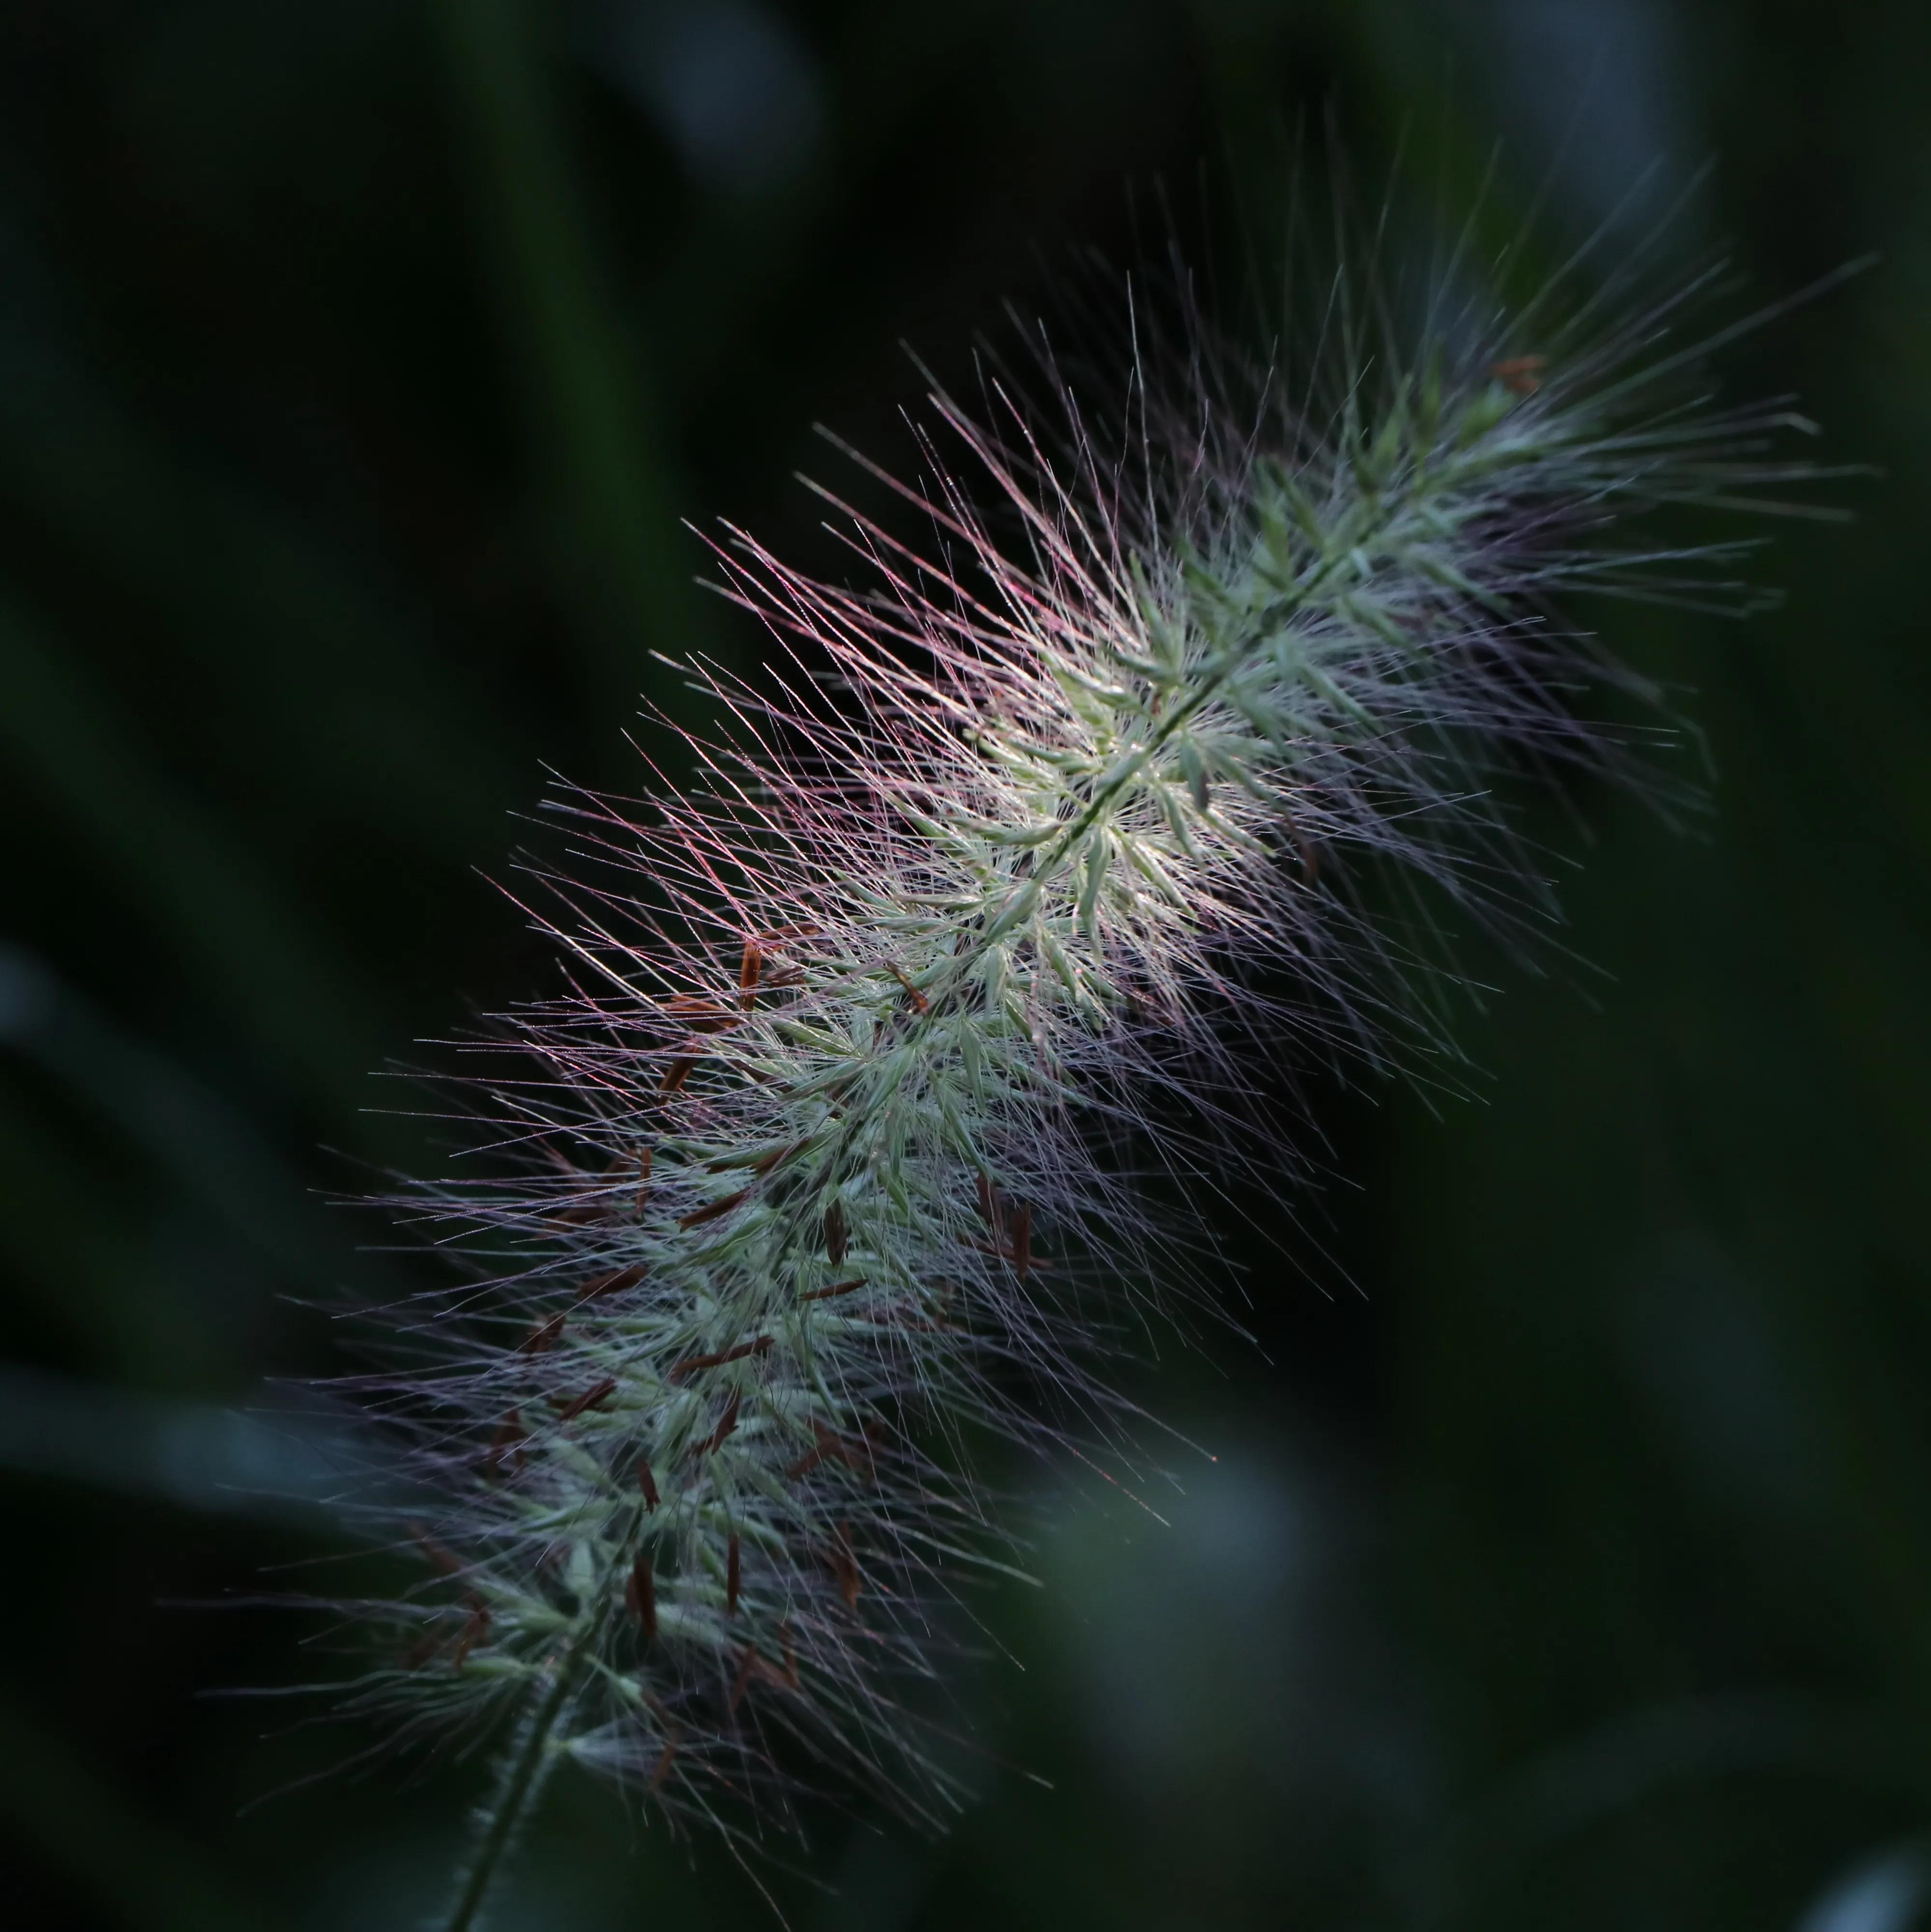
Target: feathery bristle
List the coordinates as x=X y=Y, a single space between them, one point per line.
x=815 y=1169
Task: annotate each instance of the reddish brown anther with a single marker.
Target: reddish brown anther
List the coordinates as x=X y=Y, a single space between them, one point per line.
x=712 y=1210
x=777 y=1156
x=844 y=1567
x=1011 y=1228
x=542 y=1336
x=836 y=1287
x=592 y=1397
x=919 y=1000
x=1521 y=375
x=699 y=1014
x=1022 y=1241
x=829 y=1446
x=733 y=1574
x=444 y=1564
x=835 y=1232
x=510 y=1433
x=756 y=1668
x=416 y=1654
x=640 y=1594
x=612 y=1283
x=647 y=1482
x=475 y=1630
x=692 y=1364
x=715 y=1441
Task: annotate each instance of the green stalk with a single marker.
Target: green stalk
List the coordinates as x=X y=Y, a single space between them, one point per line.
x=520 y=1783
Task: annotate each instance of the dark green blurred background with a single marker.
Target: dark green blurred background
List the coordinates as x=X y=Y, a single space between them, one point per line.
x=1568 y=1559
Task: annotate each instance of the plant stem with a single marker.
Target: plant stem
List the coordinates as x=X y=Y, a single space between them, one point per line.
x=519 y=1785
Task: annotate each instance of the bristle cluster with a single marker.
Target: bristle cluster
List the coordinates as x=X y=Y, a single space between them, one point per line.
x=816 y=1168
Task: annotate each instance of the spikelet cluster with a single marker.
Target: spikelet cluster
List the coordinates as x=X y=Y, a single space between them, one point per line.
x=821 y=1163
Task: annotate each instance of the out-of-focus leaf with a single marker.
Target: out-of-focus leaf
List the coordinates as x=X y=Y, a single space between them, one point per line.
x=1884 y=1894
x=80 y=1261
x=600 y=432
x=249 y=950
x=192 y=1455
x=335 y=677
x=192 y=1136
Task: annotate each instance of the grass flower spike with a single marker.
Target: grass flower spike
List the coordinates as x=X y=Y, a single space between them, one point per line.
x=821 y=1163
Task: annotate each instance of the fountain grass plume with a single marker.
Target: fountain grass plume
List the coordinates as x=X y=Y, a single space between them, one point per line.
x=821 y=1166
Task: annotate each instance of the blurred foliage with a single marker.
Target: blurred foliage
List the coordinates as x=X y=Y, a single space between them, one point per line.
x=1568 y=1558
